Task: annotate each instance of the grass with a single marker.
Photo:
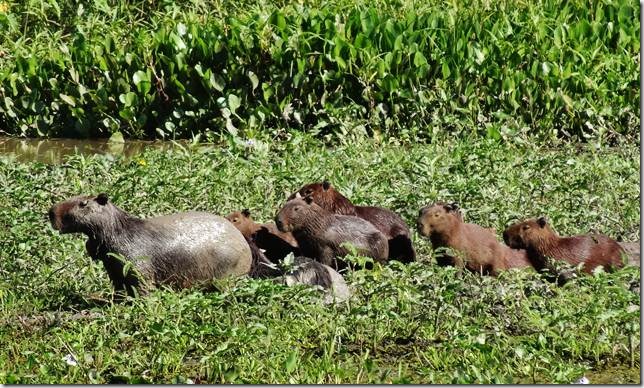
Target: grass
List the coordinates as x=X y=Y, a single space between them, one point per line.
x=417 y=323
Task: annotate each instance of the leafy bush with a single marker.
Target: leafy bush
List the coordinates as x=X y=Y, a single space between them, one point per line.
x=334 y=69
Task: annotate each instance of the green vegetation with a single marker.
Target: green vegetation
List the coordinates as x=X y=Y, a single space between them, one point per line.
x=417 y=323
x=408 y=69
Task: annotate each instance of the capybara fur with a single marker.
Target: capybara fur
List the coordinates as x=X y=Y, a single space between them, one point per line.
x=322 y=235
x=179 y=250
x=275 y=244
x=632 y=249
x=473 y=247
x=541 y=242
x=310 y=272
x=387 y=222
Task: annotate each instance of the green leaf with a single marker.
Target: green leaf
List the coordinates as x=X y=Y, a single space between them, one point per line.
x=253 y=79
x=445 y=70
x=69 y=100
x=233 y=102
x=419 y=59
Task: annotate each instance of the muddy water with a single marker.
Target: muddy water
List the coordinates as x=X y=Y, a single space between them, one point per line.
x=55 y=150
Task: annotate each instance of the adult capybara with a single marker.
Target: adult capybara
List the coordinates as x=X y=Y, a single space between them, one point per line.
x=387 y=222
x=473 y=247
x=179 y=250
x=322 y=235
x=276 y=244
x=540 y=240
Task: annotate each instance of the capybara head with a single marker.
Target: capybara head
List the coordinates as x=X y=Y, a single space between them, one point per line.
x=298 y=212
x=523 y=234
x=326 y=196
x=438 y=218
x=80 y=214
x=242 y=221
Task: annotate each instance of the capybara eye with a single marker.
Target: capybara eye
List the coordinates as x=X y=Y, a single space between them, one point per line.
x=525 y=227
x=235 y=219
x=296 y=208
x=83 y=203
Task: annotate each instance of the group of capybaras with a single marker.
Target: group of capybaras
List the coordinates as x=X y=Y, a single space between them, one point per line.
x=319 y=227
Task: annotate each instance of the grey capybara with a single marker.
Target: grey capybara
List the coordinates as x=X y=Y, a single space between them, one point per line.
x=179 y=250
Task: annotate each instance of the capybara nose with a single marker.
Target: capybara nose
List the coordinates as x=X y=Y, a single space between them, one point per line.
x=505 y=236
x=278 y=223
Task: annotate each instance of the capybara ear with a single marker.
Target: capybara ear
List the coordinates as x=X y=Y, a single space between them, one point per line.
x=454 y=206
x=308 y=199
x=246 y=213
x=326 y=185
x=542 y=221
x=102 y=199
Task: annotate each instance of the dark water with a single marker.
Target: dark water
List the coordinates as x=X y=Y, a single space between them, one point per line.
x=55 y=150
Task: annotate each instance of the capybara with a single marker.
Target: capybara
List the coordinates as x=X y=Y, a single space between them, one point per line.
x=540 y=240
x=322 y=235
x=308 y=271
x=276 y=244
x=179 y=250
x=632 y=249
x=474 y=247
x=387 y=222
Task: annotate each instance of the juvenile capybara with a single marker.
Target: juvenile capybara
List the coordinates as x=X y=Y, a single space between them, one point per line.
x=276 y=244
x=387 y=222
x=321 y=234
x=179 y=250
x=540 y=241
x=474 y=247
x=310 y=272
x=632 y=249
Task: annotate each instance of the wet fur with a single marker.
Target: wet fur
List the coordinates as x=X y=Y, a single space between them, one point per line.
x=179 y=250
x=387 y=222
x=321 y=234
x=540 y=241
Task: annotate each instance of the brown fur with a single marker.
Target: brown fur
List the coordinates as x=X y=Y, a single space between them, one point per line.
x=540 y=240
x=390 y=224
x=276 y=244
x=476 y=248
x=321 y=234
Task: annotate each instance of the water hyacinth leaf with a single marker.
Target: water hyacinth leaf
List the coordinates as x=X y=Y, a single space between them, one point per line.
x=233 y=102
x=419 y=59
x=69 y=100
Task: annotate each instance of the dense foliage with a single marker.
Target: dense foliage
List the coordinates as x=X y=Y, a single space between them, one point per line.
x=332 y=68
x=418 y=323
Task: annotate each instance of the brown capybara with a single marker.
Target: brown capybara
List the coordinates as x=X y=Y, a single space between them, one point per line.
x=387 y=222
x=474 y=247
x=321 y=234
x=179 y=250
x=276 y=244
x=540 y=241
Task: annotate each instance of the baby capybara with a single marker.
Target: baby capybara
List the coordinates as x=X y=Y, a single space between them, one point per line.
x=387 y=222
x=321 y=234
x=179 y=250
x=276 y=244
x=473 y=247
x=540 y=240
